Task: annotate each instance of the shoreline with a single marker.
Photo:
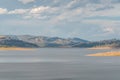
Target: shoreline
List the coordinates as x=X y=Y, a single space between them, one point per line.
x=15 y=48
x=105 y=54
x=98 y=48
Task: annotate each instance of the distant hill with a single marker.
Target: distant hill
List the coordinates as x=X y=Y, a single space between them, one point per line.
x=113 y=43
x=42 y=41
x=7 y=42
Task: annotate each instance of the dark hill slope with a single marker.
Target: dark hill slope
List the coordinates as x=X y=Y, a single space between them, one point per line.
x=15 y=43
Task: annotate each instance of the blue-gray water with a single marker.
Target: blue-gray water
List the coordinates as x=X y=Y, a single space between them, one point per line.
x=58 y=64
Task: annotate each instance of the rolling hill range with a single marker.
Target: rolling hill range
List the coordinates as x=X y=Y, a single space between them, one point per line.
x=9 y=42
x=38 y=41
x=56 y=42
x=113 y=43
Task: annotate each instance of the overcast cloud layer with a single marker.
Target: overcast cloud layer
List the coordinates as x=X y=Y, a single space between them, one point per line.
x=87 y=19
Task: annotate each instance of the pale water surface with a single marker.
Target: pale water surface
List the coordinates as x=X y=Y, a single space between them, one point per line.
x=58 y=64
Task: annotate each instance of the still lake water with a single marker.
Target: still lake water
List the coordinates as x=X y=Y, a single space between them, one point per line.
x=58 y=64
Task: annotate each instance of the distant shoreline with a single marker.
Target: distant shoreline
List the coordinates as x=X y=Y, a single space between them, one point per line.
x=96 y=48
x=105 y=54
x=15 y=48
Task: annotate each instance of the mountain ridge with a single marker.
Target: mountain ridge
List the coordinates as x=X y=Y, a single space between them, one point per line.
x=43 y=41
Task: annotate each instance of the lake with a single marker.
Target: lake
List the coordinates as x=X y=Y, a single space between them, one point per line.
x=58 y=64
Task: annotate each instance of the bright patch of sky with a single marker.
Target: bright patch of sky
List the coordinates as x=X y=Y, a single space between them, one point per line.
x=87 y=19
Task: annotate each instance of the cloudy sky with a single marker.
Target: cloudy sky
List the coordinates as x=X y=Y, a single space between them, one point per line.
x=87 y=19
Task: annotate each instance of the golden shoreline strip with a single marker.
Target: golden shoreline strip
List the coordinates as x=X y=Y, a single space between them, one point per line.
x=15 y=48
x=105 y=54
x=96 y=48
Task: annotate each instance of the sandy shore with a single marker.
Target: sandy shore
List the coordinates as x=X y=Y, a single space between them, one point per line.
x=15 y=48
x=106 y=54
x=96 y=48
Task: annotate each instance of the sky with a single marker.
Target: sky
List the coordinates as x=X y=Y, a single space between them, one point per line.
x=86 y=19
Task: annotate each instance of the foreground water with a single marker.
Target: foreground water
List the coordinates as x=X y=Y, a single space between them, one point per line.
x=58 y=64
